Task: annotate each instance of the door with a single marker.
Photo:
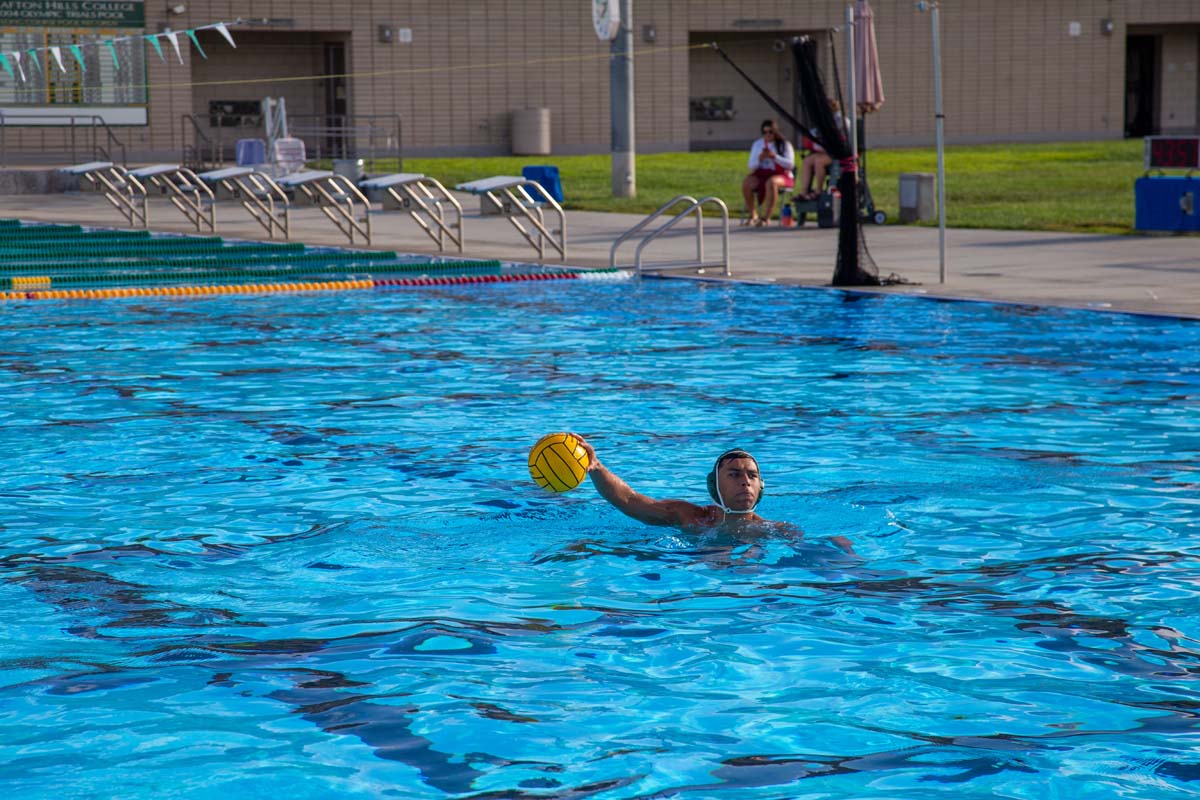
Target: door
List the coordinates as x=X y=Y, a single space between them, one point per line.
x=337 y=123
x=1141 y=86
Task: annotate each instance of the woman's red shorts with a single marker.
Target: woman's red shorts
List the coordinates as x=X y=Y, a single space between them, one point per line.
x=763 y=175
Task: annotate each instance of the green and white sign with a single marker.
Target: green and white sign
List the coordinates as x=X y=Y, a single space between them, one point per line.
x=71 y=14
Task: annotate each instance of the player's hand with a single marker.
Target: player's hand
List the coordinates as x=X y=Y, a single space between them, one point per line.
x=710 y=516
x=593 y=461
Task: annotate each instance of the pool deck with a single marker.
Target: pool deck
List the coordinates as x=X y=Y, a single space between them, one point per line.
x=1143 y=274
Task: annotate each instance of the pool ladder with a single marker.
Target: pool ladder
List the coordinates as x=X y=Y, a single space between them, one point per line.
x=693 y=206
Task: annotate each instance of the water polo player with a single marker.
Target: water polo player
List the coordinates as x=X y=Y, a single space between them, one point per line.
x=734 y=483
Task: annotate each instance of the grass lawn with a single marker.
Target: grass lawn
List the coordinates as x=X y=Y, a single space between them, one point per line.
x=1082 y=187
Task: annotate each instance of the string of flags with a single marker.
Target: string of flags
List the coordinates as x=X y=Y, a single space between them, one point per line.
x=15 y=61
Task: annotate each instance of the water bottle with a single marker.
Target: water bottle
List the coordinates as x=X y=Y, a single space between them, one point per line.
x=785 y=216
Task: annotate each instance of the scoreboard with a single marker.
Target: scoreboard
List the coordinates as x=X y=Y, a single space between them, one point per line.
x=1172 y=152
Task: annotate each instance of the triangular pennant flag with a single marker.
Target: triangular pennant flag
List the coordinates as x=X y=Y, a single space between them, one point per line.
x=77 y=51
x=7 y=67
x=57 y=53
x=157 y=47
x=221 y=29
x=16 y=54
x=173 y=38
x=33 y=59
x=113 y=49
x=192 y=35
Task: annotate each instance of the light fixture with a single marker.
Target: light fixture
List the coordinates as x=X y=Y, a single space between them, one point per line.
x=177 y=9
x=1107 y=26
x=649 y=34
x=386 y=34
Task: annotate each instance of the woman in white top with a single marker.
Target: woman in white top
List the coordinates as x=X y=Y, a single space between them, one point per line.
x=772 y=159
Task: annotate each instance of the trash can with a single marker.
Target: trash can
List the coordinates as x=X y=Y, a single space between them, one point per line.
x=351 y=168
x=531 y=132
x=916 y=197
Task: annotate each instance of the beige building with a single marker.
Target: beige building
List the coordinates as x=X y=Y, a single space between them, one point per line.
x=433 y=77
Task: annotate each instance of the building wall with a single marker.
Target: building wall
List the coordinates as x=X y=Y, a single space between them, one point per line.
x=1013 y=70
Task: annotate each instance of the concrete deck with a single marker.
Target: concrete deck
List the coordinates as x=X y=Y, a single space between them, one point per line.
x=1143 y=274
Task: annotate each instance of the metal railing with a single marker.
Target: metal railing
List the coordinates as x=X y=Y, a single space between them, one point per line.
x=201 y=152
x=86 y=133
x=366 y=136
x=693 y=206
x=370 y=137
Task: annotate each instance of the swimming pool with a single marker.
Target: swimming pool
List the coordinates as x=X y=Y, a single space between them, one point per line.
x=289 y=542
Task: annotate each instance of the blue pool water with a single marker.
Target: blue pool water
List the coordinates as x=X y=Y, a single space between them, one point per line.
x=289 y=544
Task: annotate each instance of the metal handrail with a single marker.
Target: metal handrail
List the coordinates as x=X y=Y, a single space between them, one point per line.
x=612 y=253
x=110 y=139
x=381 y=135
x=216 y=156
x=99 y=152
x=693 y=205
x=339 y=136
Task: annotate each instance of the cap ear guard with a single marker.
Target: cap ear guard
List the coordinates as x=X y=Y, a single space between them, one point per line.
x=712 y=477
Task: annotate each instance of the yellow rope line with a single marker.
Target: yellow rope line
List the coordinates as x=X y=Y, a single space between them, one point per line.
x=577 y=59
x=187 y=291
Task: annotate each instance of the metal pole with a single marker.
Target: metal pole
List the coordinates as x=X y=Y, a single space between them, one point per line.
x=624 y=174
x=851 y=93
x=941 y=146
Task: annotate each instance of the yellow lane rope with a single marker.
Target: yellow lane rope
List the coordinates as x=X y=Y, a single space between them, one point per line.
x=187 y=291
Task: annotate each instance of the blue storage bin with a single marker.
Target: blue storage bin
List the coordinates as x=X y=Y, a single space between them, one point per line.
x=1166 y=203
x=547 y=177
x=251 y=152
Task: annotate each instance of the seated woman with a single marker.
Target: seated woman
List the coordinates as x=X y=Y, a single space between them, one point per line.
x=772 y=159
x=816 y=164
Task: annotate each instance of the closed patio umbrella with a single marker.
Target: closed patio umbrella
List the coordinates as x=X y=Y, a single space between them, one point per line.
x=868 y=92
x=868 y=82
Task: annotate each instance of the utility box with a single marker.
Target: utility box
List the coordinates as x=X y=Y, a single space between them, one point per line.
x=1166 y=203
x=531 y=132
x=916 y=197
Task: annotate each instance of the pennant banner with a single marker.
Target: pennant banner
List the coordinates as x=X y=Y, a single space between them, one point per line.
x=173 y=38
x=57 y=53
x=192 y=35
x=221 y=29
x=153 y=40
x=14 y=58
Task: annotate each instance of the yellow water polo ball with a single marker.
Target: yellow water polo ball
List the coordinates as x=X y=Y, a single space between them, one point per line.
x=558 y=462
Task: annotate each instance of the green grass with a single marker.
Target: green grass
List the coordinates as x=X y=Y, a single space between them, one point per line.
x=1079 y=187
